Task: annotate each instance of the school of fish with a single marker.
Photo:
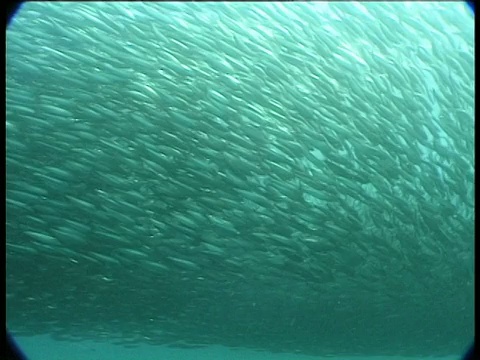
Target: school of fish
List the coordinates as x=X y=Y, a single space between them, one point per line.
x=288 y=177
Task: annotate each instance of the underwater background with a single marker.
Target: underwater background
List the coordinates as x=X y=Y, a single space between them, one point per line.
x=287 y=178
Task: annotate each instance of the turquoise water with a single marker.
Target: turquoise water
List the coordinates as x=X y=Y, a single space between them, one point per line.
x=289 y=178
x=44 y=348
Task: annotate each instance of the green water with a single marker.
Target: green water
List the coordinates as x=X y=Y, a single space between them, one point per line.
x=284 y=177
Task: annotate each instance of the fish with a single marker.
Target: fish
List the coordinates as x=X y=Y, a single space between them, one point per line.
x=189 y=160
